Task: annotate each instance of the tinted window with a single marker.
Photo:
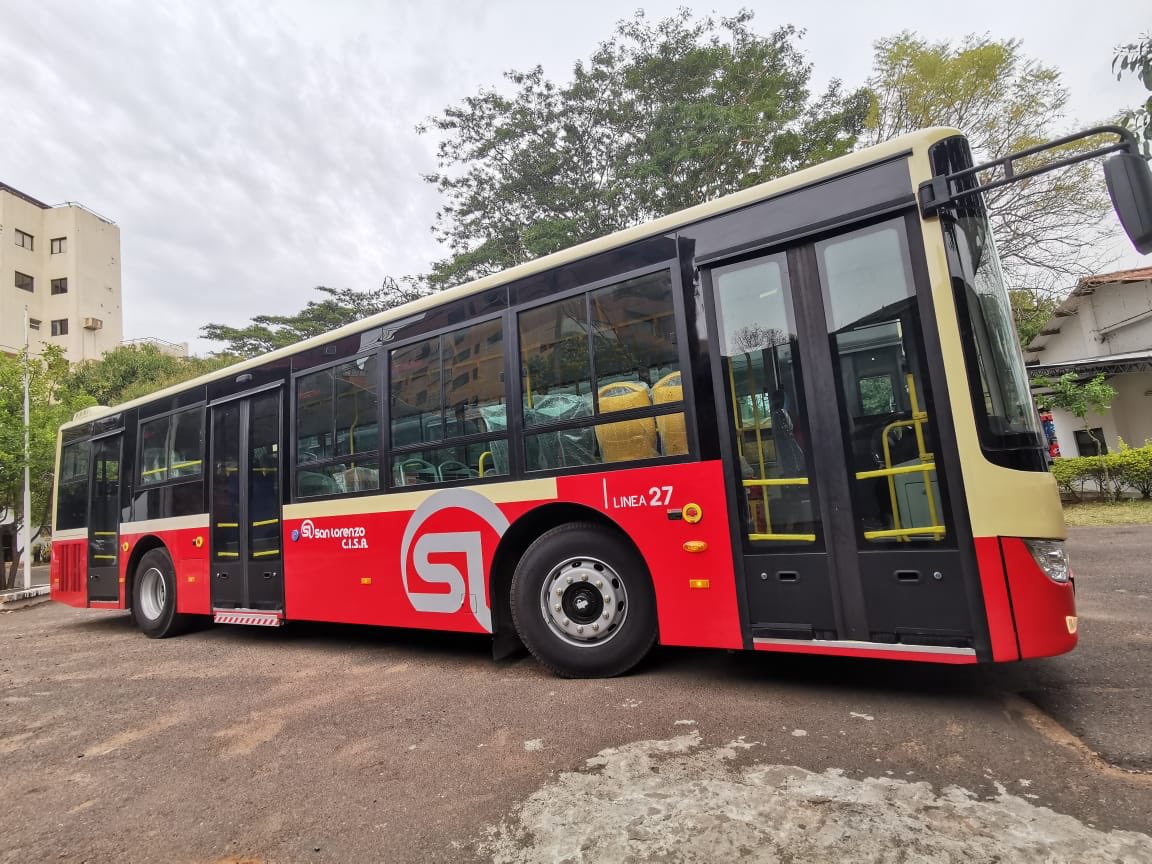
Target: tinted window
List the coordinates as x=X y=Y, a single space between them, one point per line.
x=72 y=501
x=612 y=349
x=337 y=429
x=171 y=448
x=445 y=389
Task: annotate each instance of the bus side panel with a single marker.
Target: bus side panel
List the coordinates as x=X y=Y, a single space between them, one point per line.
x=189 y=559
x=695 y=591
x=421 y=560
x=68 y=572
x=1001 y=628
x=1045 y=610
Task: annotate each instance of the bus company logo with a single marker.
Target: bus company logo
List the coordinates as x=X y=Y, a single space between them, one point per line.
x=470 y=544
x=350 y=537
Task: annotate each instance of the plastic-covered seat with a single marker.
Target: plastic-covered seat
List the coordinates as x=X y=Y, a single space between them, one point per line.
x=673 y=435
x=627 y=440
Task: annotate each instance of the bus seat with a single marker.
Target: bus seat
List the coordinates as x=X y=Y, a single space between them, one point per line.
x=309 y=483
x=673 y=436
x=412 y=472
x=628 y=439
x=360 y=479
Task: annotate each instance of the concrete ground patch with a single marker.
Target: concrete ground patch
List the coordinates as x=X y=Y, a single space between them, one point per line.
x=673 y=800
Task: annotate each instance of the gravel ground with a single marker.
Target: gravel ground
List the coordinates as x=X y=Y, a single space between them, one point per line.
x=346 y=744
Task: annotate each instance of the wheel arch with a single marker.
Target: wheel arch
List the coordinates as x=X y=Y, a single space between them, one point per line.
x=141 y=548
x=515 y=542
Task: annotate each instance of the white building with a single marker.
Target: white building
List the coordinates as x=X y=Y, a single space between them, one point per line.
x=1105 y=326
x=63 y=263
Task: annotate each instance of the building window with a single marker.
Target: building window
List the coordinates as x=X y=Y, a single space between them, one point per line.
x=1087 y=447
x=60 y=286
x=33 y=323
x=58 y=245
x=25 y=282
x=60 y=327
x=25 y=240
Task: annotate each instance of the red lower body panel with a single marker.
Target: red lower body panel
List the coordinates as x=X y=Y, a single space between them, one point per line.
x=1045 y=611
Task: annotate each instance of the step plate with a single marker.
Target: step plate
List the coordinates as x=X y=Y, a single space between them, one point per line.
x=252 y=617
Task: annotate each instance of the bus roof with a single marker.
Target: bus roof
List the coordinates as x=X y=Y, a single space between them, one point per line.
x=911 y=142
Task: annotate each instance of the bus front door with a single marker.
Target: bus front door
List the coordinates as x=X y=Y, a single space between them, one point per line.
x=104 y=519
x=829 y=434
x=246 y=555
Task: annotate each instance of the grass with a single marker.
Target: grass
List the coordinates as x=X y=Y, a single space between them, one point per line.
x=1127 y=512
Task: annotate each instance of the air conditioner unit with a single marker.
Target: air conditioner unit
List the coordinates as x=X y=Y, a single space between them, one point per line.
x=93 y=324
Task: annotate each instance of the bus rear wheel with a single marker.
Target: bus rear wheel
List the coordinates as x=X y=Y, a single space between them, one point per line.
x=154 y=596
x=582 y=602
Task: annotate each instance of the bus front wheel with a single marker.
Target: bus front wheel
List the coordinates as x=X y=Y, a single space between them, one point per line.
x=582 y=602
x=154 y=596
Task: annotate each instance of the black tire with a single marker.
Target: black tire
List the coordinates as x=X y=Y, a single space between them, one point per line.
x=154 y=596
x=602 y=588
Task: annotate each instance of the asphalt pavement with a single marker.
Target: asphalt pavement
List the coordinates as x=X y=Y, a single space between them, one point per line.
x=347 y=744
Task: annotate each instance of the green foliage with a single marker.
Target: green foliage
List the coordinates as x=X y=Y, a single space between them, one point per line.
x=1047 y=229
x=1128 y=469
x=341 y=306
x=1133 y=467
x=1031 y=311
x=1136 y=59
x=50 y=404
x=129 y=371
x=663 y=115
x=1080 y=400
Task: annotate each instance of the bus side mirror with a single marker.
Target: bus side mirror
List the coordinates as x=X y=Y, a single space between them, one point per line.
x=1130 y=188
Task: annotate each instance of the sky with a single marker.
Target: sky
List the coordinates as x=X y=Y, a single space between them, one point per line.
x=250 y=151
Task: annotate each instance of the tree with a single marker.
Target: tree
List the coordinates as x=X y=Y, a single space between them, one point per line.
x=1047 y=228
x=1079 y=400
x=341 y=306
x=49 y=406
x=129 y=371
x=663 y=115
x=1031 y=311
x=1136 y=59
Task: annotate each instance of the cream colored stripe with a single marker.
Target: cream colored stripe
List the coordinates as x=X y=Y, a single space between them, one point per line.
x=71 y=534
x=543 y=489
x=173 y=523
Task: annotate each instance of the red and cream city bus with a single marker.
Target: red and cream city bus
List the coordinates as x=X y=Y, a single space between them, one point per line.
x=791 y=419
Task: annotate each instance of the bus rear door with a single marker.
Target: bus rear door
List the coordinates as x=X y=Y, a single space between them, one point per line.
x=104 y=519
x=246 y=555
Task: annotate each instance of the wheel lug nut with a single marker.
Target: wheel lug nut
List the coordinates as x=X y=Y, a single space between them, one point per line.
x=557 y=607
x=559 y=591
x=607 y=600
x=569 y=580
x=599 y=583
x=584 y=578
x=565 y=622
x=596 y=627
x=579 y=629
x=605 y=616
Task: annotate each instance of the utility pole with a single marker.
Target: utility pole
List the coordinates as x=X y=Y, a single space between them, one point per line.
x=27 y=532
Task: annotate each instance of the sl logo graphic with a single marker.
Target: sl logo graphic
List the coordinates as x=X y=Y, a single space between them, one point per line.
x=468 y=543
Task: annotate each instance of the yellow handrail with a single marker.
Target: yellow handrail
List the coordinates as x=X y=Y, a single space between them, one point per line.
x=782 y=481
x=480 y=464
x=809 y=538
x=926 y=466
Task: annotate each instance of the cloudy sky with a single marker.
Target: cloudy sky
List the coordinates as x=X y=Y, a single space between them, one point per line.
x=250 y=151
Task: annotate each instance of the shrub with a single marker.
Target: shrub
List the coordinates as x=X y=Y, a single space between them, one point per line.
x=1133 y=465
x=1129 y=468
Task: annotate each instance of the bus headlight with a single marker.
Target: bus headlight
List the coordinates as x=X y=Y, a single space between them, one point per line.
x=1051 y=557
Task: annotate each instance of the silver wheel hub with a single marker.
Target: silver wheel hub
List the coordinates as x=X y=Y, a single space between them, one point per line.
x=583 y=601
x=153 y=594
